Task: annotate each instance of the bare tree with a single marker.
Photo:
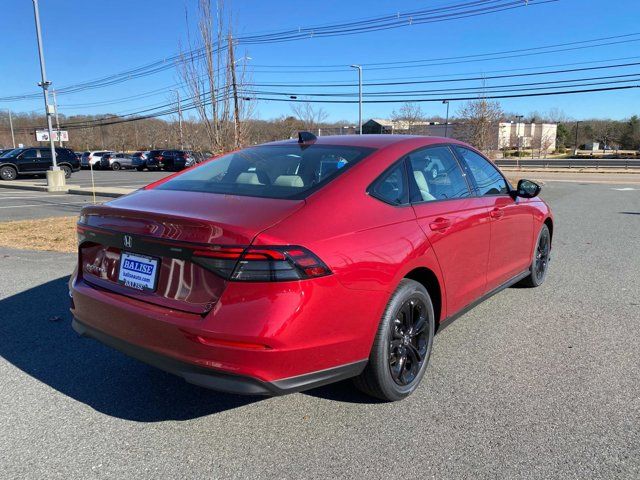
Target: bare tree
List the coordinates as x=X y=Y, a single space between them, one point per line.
x=213 y=78
x=409 y=114
x=478 y=125
x=310 y=116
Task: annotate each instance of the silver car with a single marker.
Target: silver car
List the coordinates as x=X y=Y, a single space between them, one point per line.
x=116 y=161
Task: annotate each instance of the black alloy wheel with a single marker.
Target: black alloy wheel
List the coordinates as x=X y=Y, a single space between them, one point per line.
x=408 y=341
x=541 y=259
x=8 y=173
x=402 y=346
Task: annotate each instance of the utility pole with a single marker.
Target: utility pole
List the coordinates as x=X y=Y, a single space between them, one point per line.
x=359 y=67
x=446 y=122
x=44 y=83
x=180 y=119
x=575 y=152
x=13 y=138
x=234 y=85
x=55 y=105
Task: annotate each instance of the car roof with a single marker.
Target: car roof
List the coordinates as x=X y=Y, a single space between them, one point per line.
x=371 y=141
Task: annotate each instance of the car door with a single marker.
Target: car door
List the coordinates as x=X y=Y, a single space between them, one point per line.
x=511 y=219
x=28 y=160
x=456 y=224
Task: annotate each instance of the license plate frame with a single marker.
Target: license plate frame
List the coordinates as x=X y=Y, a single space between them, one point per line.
x=132 y=271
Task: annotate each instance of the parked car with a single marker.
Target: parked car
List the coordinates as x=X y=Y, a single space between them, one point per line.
x=36 y=161
x=92 y=158
x=290 y=265
x=139 y=160
x=115 y=161
x=170 y=159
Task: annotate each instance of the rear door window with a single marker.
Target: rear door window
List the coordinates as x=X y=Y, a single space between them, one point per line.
x=271 y=171
x=436 y=175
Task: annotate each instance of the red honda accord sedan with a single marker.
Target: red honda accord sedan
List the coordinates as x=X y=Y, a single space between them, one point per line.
x=293 y=264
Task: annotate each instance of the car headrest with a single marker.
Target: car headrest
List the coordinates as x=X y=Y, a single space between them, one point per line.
x=289 y=181
x=248 y=178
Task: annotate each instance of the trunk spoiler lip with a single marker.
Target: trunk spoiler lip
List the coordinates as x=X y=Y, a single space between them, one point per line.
x=112 y=211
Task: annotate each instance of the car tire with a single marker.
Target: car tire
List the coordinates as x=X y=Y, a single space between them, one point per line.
x=402 y=346
x=140 y=169
x=116 y=166
x=8 y=173
x=67 y=171
x=541 y=259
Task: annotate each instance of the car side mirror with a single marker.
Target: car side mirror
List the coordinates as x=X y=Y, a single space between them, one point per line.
x=527 y=189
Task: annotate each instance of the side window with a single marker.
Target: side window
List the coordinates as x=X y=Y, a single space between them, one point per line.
x=30 y=154
x=436 y=175
x=487 y=178
x=44 y=153
x=391 y=186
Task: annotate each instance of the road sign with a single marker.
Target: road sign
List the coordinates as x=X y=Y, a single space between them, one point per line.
x=43 y=135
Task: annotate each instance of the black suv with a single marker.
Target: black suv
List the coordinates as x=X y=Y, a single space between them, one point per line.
x=36 y=161
x=170 y=159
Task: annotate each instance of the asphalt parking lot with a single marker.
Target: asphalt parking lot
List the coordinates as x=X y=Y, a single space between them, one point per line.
x=25 y=204
x=533 y=383
x=121 y=178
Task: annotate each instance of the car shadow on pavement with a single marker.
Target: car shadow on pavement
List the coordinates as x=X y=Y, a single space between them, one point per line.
x=36 y=336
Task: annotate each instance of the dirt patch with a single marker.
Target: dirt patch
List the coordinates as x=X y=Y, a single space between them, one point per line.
x=55 y=234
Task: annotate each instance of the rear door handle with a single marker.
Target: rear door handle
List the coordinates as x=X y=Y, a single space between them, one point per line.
x=440 y=224
x=497 y=213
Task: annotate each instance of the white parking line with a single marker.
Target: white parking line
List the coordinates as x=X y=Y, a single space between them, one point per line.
x=45 y=205
x=22 y=197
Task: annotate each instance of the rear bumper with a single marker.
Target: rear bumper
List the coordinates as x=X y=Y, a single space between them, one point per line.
x=221 y=381
x=259 y=338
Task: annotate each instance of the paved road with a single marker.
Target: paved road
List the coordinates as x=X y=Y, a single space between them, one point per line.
x=604 y=163
x=134 y=179
x=575 y=177
x=25 y=204
x=121 y=178
x=534 y=383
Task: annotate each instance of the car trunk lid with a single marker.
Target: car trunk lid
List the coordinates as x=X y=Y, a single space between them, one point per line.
x=167 y=229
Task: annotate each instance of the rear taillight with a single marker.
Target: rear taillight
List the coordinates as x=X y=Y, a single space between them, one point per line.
x=262 y=264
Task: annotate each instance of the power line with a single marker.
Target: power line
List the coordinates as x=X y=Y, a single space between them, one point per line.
x=438 y=14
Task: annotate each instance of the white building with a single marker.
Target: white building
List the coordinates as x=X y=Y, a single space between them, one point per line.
x=538 y=136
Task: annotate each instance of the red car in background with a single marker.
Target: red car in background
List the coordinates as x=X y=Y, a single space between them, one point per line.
x=293 y=264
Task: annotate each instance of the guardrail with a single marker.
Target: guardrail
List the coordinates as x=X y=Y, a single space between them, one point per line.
x=604 y=163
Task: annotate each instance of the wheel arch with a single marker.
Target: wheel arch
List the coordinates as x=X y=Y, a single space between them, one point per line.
x=549 y=223
x=429 y=280
x=10 y=164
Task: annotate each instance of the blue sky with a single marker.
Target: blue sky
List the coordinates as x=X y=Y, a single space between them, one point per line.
x=85 y=40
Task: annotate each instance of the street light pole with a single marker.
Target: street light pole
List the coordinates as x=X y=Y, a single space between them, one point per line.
x=446 y=122
x=575 y=152
x=44 y=84
x=359 y=67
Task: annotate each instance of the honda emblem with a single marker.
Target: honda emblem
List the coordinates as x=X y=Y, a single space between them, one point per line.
x=128 y=241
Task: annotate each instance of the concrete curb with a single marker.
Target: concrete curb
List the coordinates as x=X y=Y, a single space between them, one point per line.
x=113 y=192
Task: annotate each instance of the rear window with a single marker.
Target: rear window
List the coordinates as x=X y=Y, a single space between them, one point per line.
x=272 y=171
